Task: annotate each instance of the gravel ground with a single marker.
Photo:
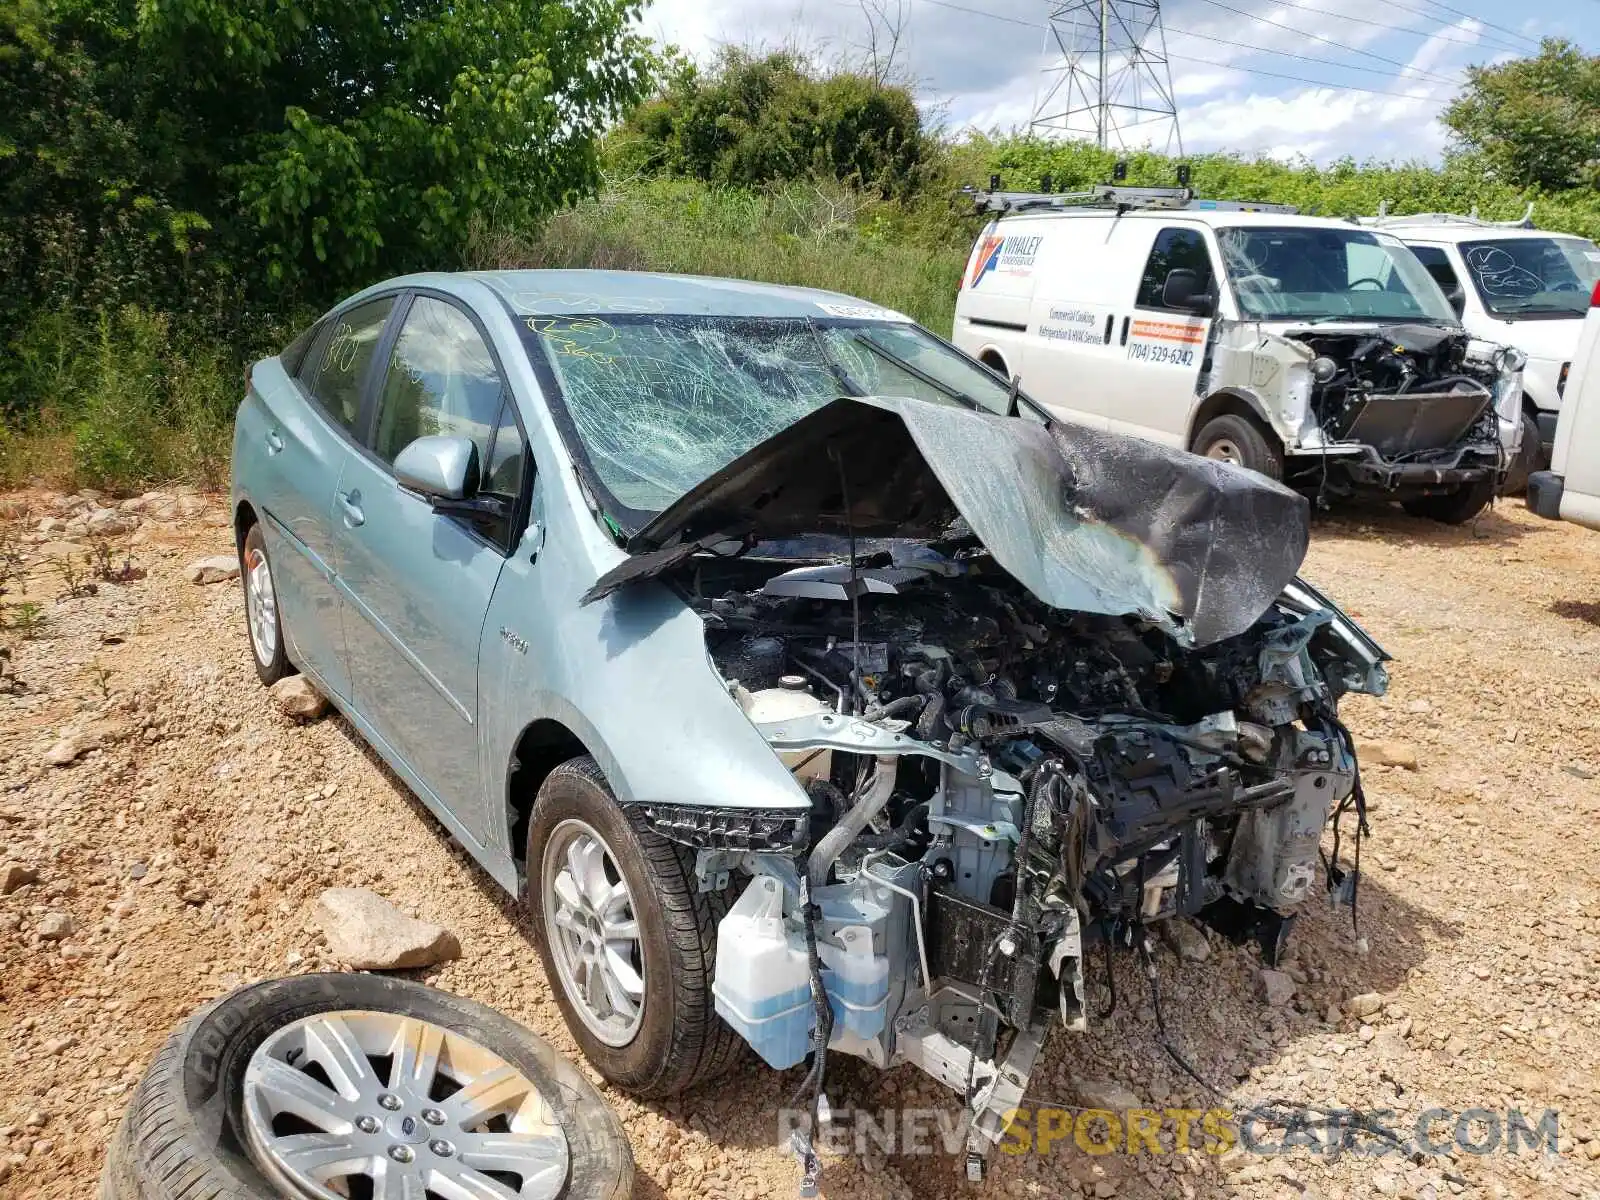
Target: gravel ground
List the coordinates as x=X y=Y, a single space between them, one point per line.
x=182 y=858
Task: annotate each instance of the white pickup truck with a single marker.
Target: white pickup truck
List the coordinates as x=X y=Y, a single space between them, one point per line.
x=1570 y=489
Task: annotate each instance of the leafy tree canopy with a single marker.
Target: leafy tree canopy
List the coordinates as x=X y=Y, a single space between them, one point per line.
x=149 y=148
x=750 y=120
x=1535 y=120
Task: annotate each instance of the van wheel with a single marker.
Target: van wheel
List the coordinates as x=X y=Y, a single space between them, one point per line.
x=1241 y=441
x=1453 y=508
x=629 y=943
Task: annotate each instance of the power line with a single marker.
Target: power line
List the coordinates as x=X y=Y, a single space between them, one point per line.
x=1393 y=62
x=1434 y=34
x=1486 y=24
x=1342 y=87
x=1325 y=62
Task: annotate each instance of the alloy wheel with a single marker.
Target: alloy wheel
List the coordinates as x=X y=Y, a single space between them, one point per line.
x=593 y=932
x=363 y=1103
x=261 y=605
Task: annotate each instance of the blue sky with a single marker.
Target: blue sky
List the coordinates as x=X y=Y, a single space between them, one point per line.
x=1238 y=82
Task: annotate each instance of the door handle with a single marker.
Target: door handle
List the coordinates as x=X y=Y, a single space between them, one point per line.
x=1125 y=322
x=274 y=442
x=351 y=503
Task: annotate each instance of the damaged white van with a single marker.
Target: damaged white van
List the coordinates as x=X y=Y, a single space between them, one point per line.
x=1311 y=350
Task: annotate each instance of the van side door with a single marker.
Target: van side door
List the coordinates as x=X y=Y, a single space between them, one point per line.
x=1162 y=342
x=1074 y=365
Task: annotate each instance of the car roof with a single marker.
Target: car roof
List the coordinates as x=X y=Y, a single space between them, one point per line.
x=1205 y=216
x=558 y=292
x=1461 y=231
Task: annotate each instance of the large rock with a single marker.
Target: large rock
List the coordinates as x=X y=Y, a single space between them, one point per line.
x=1187 y=942
x=72 y=745
x=1277 y=987
x=217 y=569
x=370 y=934
x=1364 y=1005
x=16 y=875
x=108 y=522
x=1102 y=1093
x=54 y=926
x=1387 y=754
x=295 y=695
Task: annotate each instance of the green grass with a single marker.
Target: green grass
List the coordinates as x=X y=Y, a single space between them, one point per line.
x=819 y=236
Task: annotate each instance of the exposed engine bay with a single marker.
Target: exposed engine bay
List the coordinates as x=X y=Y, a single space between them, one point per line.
x=1042 y=686
x=1001 y=788
x=1402 y=388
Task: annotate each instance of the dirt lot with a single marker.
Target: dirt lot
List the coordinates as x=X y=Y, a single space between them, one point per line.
x=188 y=848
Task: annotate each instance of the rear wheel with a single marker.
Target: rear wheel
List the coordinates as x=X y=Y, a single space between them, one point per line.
x=628 y=942
x=262 y=618
x=1239 y=440
x=1453 y=508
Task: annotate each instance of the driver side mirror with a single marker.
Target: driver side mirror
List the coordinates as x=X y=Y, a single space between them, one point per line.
x=1182 y=290
x=1457 y=297
x=440 y=468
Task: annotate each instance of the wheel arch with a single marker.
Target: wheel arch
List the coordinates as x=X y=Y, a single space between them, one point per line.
x=542 y=746
x=1237 y=402
x=995 y=359
x=244 y=516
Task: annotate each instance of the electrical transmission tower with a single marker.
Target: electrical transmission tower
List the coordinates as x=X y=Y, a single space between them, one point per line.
x=1111 y=79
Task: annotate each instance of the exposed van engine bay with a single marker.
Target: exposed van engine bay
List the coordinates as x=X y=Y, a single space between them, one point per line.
x=998 y=786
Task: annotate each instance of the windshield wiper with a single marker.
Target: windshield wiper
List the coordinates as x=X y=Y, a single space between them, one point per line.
x=891 y=357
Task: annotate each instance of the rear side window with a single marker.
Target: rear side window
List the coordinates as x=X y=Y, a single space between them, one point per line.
x=336 y=369
x=1175 y=249
x=293 y=355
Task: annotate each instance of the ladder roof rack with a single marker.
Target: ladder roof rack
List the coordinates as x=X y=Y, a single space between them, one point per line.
x=1386 y=221
x=1118 y=197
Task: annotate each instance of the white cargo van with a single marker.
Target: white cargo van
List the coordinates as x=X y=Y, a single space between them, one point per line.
x=1570 y=489
x=1528 y=288
x=1311 y=350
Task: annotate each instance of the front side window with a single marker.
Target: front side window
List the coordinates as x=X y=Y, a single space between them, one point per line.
x=1174 y=250
x=1533 y=277
x=1297 y=273
x=336 y=369
x=653 y=405
x=441 y=380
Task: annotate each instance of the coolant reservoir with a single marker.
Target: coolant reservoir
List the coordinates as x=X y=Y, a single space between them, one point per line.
x=762 y=987
x=784 y=704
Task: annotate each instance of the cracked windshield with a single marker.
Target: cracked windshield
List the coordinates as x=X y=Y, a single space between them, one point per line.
x=660 y=403
x=1299 y=273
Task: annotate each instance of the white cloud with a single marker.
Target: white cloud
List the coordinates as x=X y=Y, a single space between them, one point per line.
x=984 y=73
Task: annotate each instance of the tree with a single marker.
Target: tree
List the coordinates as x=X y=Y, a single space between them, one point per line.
x=752 y=120
x=1535 y=120
x=292 y=146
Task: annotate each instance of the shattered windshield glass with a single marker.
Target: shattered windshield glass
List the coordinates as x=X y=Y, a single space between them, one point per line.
x=651 y=405
x=1305 y=272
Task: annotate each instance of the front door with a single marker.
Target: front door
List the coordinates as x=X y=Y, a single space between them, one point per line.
x=1162 y=348
x=417 y=583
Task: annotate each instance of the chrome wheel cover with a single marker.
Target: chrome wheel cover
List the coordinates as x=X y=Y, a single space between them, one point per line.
x=593 y=932
x=405 y=1104
x=1225 y=450
x=261 y=606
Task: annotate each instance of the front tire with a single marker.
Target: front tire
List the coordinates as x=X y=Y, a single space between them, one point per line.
x=345 y=1082
x=627 y=940
x=263 y=622
x=1239 y=440
x=1453 y=508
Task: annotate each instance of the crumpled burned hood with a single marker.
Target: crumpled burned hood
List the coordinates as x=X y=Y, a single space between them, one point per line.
x=1086 y=520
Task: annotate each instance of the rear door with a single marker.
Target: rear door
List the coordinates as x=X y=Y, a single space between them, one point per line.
x=298 y=440
x=417 y=582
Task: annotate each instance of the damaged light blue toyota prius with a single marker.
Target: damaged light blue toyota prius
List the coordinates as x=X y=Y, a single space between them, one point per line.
x=809 y=687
